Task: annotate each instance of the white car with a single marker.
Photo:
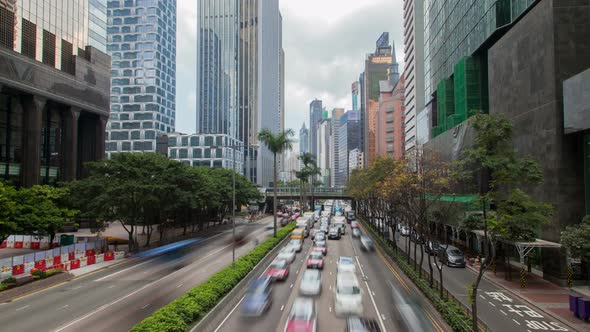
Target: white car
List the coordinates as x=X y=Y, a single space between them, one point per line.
x=348 y=299
x=405 y=230
x=345 y=264
x=288 y=254
x=311 y=282
x=297 y=244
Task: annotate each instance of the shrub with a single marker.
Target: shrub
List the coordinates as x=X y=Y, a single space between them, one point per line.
x=38 y=274
x=51 y=272
x=188 y=309
x=9 y=281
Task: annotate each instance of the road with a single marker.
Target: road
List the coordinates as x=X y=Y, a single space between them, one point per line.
x=497 y=308
x=379 y=276
x=117 y=298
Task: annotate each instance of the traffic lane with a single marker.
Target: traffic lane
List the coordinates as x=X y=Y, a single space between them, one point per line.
x=499 y=309
x=280 y=292
x=126 y=311
x=383 y=277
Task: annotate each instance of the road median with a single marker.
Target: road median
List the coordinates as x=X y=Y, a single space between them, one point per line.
x=194 y=306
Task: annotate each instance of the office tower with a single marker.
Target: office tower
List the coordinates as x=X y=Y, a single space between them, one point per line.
x=324 y=134
x=354 y=89
x=142 y=45
x=315 y=117
x=337 y=114
x=240 y=85
x=303 y=140
x=414 y=73
x=54 y=89
x=376 y=66
x=348 y=138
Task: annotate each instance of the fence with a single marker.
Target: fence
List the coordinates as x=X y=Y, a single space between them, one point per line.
x=29 y=242
x=67 y=257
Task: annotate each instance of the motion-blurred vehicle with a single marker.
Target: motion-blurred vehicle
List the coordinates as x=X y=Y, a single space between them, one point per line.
x=341 y=223
x=452 y=256
x=324 y=229
x=258 y=297
x=361 y=324
x=302 y=224
x=350 y=216
x=320 y=246
x=320 y=236
x=334 y=233
x=303 y=316
x=288 y=254
x=311 y=283
x=367 y=243
x=432 y=247
x=313 y=233
x=404 y=231
x=297 y=234
x=315 y=260
x=278 y=270
x=345 y=264
x=407 y=313
x=348 y=299
x=354 y=224
x=285 y=221
x=356 y=232
x=297 y=244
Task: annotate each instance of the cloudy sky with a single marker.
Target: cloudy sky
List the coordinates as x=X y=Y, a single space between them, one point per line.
x=325 y=43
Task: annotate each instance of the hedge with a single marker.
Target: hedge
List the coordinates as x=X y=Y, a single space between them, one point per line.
x=191 y=307
x=452 y=312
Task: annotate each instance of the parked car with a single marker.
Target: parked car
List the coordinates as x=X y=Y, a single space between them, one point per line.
x=348 y=299
x=285 y=221
x=303 y=316
x=361 y=324
x=315 y=260
x=418 y=238
x=367 y=243
x=334 y=233
x=432 y=247
x=320 y=246
x=405 y=231
x=452 y=256
x=345 y=264
x=288 y=254
x=297 y=244
x=258 y=298
x=311 y=283
x=278 y=270
x=356 y=232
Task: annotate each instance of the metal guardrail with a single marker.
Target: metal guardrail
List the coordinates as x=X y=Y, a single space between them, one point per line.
x=319 y=191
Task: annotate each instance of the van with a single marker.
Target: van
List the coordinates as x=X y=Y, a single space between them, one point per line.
x=297 y=234
x=306 y=220
x=348 y=299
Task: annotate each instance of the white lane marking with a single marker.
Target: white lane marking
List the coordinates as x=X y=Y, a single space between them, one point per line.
x=101 y=308
x=22 y=308
x=145 y=272
x=111 y=286
x=297 y=272
x=482 y=296
x=330 y=309
x=515 y=321
x=383 y=316
x=179 y=286
x=502 y=311
x=145 y=306
x=371 y=296
x=493 y=305
x=65 y=306
x=291 y=286
x=77 y=287
x=228 y=315
x=282 y=307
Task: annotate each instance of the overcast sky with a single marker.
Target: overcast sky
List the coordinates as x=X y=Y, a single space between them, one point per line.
x=325 y=43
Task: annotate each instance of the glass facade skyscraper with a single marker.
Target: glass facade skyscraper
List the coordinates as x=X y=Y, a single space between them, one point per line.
x=142 y=45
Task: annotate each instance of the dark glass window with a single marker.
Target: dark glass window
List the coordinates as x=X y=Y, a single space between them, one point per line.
x=183 y=153
x=126 y=146
x=185 y=141
x=135 y=134
x=48 y=48
x=217 y=163
x=29 y=39
x=197 y=153
x=6 y=28
x=51 y=145
x=195 y=141
x=67 y=57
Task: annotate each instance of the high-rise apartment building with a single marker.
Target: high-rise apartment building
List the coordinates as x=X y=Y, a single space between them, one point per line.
x=414 y=71
x=54 y=89
x=324 y=134
x=337 y=114
x=315 y=117
x=390 y=129
x=142 y=45
x=376 y=66
x=240 y=80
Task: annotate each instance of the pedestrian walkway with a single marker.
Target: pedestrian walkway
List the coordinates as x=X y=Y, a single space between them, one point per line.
x=540 y=293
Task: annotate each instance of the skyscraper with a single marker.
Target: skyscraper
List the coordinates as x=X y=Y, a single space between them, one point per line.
x=376 y=66
x=303 y=140
x=142 y=45
x=315 y=117
x=348 y=139
x=337 y=114
x=240 y=80
x=414 y=74
x=355 y=96
x=54 y=89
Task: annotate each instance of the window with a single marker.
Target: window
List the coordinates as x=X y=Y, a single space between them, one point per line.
x=135 y=134
x=6 y=28
x=48 y=48
x=197 y=153
x=183 y=153
x=29 y=39
x=194 y=141
x=150 y=134
x=67 y=57
x=185 y=141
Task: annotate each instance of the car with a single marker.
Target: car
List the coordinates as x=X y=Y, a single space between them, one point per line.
x=345 y=264
x=354 y=224
x=361 y=324
x=297 y=244
x=452 y=256
x=367 y=243
x=418 y=238
x=278 y=270
x=258 y=297
x=320 y=246
x=348 y=297
x=311 y=283
x=324 y=229
x=334 y=233
x=407 y=313
x=405 y=231
x=313 y=233
x=288 y=254
x=303 y=316
x=320 y=236
x=315 y=260
x=297 y=234
x=285 y=221
x=432 y=247
x=356 y=232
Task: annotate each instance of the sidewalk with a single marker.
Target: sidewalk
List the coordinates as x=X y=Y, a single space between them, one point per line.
x=540 y=293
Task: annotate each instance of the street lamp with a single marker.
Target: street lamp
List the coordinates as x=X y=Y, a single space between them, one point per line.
x=233 y=210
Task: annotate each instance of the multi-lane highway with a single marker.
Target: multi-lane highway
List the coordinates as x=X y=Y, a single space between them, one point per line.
x=117 y=298
x=377 y=277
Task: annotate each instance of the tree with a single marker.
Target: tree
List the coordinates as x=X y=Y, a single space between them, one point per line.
x=499 y=171
x=309 y=172
x=576 y=240
x=7 y=209
x=277 y=144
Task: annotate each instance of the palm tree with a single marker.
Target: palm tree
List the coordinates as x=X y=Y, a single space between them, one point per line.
x=276 y=143
x=311 y=170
